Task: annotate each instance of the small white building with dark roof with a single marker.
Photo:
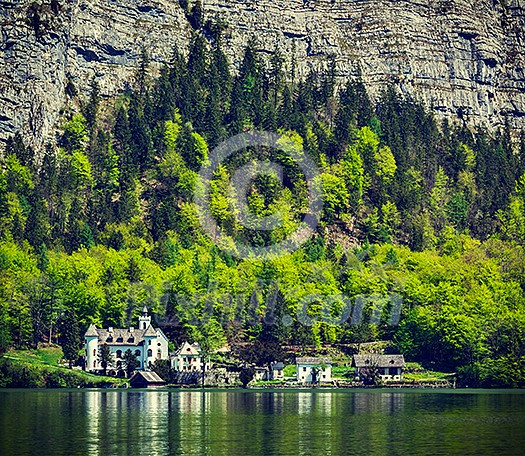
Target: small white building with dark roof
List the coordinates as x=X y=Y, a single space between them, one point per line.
x=277 y=370
x=146 y=342
x=313 y=370
x=388 y=367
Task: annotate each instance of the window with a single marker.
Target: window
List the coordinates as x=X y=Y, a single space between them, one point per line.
x=324 y=376
x=95 y=363
x=109 y=339
x=137 y=352
x=120 y=339
x=150 y=353
x=95 y=352
x=158 y=344
x=149 y=342
x=144 y=325
x=119 y=353
x=159 y=355
x=304 y=369
x=131 y=340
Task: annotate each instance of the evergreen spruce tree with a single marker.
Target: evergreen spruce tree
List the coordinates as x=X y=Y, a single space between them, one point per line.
x=91 y=109
x=164 y=96
x=37 y=225
x=141 y=143
x=276 y=77
x=196 y=17
x=70 y=339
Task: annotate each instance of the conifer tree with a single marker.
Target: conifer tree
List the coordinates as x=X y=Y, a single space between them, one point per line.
x=37 y=225
x=70 y=339
x=91 y=109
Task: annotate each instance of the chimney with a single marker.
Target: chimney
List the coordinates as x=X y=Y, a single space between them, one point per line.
x=110 y=329
x=131 y=329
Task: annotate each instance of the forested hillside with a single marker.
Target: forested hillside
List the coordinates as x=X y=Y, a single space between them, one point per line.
x=105 y=222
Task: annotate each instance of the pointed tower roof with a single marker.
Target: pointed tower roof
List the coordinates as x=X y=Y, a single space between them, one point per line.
x=145 y=310
x=150 y=332
x=92 y=331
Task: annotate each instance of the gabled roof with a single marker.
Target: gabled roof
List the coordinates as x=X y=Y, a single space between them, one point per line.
x=312 y=360
x=375 y=360
x=122 y=336
x=189 y=349
x=148 y=376
x=91 y=331
x=118 y=336
x=150 y=332
x=159 y=331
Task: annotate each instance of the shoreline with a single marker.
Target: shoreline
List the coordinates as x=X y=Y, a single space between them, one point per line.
x=164 y=389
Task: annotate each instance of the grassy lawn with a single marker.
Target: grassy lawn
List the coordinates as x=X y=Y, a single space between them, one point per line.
x=343 y=372
x=47 y=359
x=48 y=355
x=415 y=372
x=337 y=371
x=267 y=382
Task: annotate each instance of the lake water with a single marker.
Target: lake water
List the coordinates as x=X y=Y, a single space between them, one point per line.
x=303 y=422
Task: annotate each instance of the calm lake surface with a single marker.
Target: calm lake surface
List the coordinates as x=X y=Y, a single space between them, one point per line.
x=162 y=422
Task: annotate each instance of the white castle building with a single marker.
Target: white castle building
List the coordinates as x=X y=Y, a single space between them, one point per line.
x=146 y=342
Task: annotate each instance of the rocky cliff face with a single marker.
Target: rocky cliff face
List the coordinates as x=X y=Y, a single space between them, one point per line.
x=464 y=58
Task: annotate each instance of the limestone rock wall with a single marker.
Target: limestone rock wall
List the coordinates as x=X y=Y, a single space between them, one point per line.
x=465 y=58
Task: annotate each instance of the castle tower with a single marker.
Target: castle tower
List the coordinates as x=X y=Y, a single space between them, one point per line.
x=145 y=319
x=91 y=340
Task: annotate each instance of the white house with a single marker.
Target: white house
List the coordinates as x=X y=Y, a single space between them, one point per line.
x=260 y=373
x=277 y=371
x=387 y=367
x=314 y=370
x=146 y=342
x=188 y=358
x=274 y=372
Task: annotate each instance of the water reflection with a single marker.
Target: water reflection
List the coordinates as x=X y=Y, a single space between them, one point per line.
x=233 y=423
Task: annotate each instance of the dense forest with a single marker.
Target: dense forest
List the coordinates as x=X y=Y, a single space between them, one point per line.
x=104 y=222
